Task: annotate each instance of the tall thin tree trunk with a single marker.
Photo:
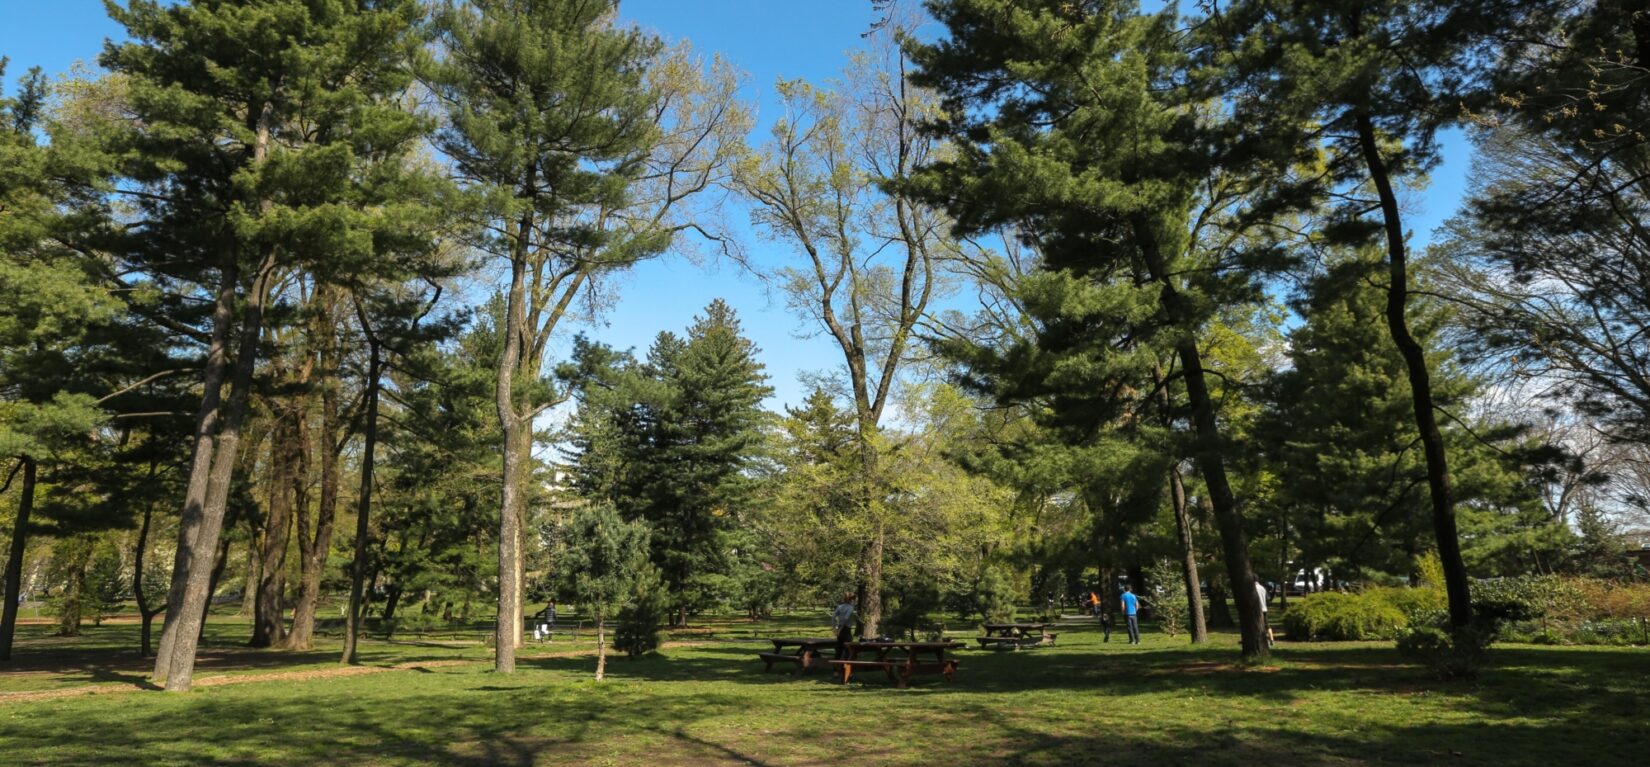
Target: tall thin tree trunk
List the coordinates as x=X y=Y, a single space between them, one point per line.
x=1207 y=447
x=14 y=559
x=205 y=448
x=196 y=594
x=146 y=611
x=183 y=634
x=1456 y=584
x=313 y=550
x=1188 y=552
x=268 y=624
x=511 y=422
x=363 y=503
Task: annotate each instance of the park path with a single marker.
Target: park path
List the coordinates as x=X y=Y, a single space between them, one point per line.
x=218 y=680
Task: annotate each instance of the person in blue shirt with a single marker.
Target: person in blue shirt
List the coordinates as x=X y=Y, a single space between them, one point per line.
x=1131 y=605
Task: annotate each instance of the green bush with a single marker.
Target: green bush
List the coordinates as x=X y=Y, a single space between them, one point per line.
x=1524 y=598
x=1338 y=616
x=1450 y=654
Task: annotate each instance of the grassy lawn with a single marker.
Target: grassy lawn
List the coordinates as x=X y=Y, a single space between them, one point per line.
x=709 y=703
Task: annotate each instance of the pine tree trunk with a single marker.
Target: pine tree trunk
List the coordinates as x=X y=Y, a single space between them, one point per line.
x=179 y=638
x=14 y=559
x=507 y=631
x=1207 y=448
x=1188 y=551
x=268 y=626
x=363 y=504
x=197 y=588
x=313 y=550
x=200 y=467
x=1456 y=583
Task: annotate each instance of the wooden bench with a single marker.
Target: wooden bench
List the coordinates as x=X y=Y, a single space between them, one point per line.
x=1015 y=643
x=771 y=658
x=900 y=671
x=847 y=667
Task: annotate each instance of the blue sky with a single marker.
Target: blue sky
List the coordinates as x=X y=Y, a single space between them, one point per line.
x=768 y=39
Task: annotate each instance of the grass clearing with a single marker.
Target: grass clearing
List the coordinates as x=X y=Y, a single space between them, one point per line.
x=710 y=703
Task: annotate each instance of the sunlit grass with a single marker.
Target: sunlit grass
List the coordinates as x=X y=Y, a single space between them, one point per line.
x=1082 y=702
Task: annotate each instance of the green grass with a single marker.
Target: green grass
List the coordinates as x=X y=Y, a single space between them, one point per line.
x=1083 y=702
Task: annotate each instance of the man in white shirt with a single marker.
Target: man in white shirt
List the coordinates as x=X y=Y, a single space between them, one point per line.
x=1260 y=593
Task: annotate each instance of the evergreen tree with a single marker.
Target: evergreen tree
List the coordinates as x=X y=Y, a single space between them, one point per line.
x=672 y=444
x=1372 y=83
x=54 y=313
x=605 y=558
x=1343 y=442
x=247 y=126
x=1073 y=132
x=584 y=147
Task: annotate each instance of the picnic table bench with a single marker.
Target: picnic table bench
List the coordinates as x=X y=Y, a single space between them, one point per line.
x=808 y=652
x=900 y=669
x=1013 y=636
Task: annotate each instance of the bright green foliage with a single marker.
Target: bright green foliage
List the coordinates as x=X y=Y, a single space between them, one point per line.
x=106 y=585
x=51 y=301
x=1334 y=615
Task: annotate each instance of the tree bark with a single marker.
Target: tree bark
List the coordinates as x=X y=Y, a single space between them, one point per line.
x=1207 y=447
x=14 y=559
x=314 y=549
x=363 y=502
x=1188 y=551
x=197 y=589
x=1456 y=583
x=507 y=630
x=200 y=467
x=146 y=611
x=268 y=623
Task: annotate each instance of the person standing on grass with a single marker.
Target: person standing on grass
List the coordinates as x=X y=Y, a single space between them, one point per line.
x=1131 y=606
x=842 y=621
x=1260 y=593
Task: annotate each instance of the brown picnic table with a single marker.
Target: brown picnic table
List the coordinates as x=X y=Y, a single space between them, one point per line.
x=900 y=660
x=1016 y=635
x=808 y=652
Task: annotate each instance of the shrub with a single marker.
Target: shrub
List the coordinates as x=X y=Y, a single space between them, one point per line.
x=1450 y=654
x=1524 y=598
x=1346 y=617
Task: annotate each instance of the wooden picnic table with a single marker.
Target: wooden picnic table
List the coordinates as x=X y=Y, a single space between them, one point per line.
x=909 y=663
x=1016 y=635
x=808 y=653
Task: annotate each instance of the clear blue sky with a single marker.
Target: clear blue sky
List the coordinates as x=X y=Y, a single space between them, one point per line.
x=768 y=39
